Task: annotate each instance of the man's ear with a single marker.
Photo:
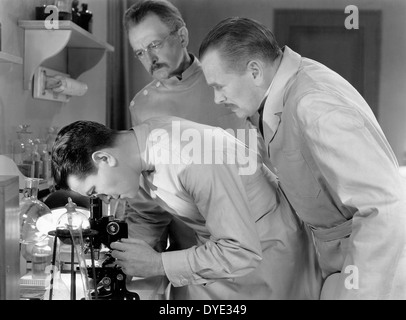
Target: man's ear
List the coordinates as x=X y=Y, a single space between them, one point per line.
x=256 y=71
x=103 y=158
x=184 y=36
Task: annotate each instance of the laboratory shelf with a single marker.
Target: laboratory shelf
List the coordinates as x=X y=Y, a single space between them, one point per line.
x=84 y=50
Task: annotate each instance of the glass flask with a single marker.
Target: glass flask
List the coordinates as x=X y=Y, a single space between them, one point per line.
x=31 y=209
x=41 y=259
x=72 y=220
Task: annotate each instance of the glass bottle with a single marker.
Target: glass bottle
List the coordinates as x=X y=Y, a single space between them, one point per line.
x=41 y=259
x=85 y=19
x=22 y=150
x=75 y=11
x=36 y=160
x=65 y=9
x=46 y=161
x=31 y=209
x=50 y=139
x=72 y=220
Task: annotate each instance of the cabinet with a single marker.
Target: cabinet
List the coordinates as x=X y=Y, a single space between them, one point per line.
x=84 y=50
x=9 y=239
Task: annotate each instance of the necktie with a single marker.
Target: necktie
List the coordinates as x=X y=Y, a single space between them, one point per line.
x=261 y=112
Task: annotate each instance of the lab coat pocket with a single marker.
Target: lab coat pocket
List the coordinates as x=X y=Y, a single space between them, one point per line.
x=296 y=176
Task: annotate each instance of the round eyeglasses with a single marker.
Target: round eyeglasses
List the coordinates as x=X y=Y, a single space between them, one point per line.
x=154 y=46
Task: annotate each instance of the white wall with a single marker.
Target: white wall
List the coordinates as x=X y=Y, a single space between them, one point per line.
x=17 y=105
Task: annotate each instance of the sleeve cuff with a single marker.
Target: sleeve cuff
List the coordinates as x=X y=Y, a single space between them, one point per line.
x=177 y=267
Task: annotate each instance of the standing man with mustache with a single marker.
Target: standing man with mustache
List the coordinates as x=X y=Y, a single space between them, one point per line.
x=332 y=158
x=159 y=38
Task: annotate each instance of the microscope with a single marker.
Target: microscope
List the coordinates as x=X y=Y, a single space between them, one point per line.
x=108 y=279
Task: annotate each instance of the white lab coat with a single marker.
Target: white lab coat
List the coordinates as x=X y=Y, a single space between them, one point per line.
x=249 y=242
x=341 y=175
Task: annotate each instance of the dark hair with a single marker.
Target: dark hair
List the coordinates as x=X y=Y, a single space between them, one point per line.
x=239 y=40
x=73 y=148
x=165 y=10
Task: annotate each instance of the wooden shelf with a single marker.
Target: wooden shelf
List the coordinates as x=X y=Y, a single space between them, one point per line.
x=5 y=57
x=84 y=49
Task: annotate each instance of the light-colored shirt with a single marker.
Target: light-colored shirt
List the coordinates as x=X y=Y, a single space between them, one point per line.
x=341 y=176
x=189 y=98
x=249 y=242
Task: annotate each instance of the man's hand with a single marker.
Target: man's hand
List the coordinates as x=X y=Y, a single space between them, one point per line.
x=137 y=258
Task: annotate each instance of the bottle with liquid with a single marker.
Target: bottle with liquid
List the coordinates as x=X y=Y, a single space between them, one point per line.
x=86 y=18
x=41 y=259
x=65 y=9
x=75 y=11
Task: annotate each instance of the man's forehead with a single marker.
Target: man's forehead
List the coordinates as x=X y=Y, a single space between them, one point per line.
x=211 y=60
x=213 y=65
x=149 y=29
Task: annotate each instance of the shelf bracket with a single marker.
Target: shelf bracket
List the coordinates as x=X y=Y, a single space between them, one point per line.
x=41 y=45
x=84 y=50
x=81 y=60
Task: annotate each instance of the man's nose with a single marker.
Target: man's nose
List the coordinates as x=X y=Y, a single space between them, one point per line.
x=151 y=57
x=219 y=98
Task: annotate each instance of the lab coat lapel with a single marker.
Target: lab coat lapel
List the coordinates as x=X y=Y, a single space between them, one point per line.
x=274 y=103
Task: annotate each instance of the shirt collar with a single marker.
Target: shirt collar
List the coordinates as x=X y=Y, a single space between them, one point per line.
x=141 y=133
x=262 y=105
x=190 y=71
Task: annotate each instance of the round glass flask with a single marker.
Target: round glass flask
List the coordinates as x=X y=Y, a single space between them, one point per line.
x=31 y=209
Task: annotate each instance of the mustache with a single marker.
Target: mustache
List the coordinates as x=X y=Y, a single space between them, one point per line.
x=157 y=66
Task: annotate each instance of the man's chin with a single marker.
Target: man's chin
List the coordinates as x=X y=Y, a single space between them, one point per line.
x=240 y=114
x=160 y=74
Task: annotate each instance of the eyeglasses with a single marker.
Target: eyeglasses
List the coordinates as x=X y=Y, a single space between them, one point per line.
x=154 y=46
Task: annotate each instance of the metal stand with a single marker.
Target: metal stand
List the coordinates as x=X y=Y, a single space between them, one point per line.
x=66 y=237
x=112 y=279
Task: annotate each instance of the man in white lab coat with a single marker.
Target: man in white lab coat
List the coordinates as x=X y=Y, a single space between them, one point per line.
x=159 y=38
x=322 y=140
x=249 y=242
